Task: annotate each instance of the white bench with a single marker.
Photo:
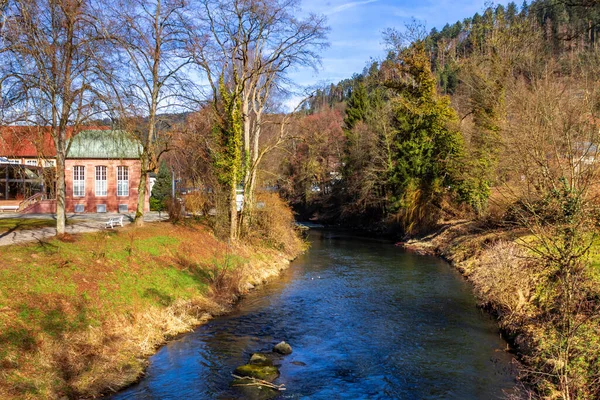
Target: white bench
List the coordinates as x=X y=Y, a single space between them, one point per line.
x=9 y=208
x=111 y=223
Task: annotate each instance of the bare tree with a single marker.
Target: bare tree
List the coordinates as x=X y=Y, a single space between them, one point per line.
x=150 y=38
x=250 y=46
x=49 y=63
x=552 y=141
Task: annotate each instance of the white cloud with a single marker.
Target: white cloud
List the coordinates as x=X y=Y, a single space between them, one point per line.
x=348 y=5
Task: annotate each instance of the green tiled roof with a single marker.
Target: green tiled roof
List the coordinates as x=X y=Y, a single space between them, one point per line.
x=103 y=145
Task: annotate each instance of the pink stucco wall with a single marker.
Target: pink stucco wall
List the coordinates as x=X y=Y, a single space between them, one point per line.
x=112 y=201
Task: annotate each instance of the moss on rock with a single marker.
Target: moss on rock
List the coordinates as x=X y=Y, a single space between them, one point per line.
x=265 y=372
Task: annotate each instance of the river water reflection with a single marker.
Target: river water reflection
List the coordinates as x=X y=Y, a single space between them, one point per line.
x=366 y=320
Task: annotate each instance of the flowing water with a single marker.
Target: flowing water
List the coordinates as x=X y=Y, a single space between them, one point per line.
x=366 y=320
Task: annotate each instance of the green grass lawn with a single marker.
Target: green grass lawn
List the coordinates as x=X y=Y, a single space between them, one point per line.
x=86 y=303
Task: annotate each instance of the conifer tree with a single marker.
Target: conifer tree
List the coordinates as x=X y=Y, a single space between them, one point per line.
x=427 y=147
x=161 y=190
x=357 y=106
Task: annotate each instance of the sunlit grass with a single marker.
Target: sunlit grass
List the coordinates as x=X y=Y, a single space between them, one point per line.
x=79 y=314
x=54 y=289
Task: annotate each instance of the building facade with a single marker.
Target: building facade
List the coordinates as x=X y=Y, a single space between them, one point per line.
x=102 y=171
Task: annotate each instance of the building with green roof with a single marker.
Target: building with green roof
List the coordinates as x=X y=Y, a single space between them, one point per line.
x=104 y=144
x=103 y=171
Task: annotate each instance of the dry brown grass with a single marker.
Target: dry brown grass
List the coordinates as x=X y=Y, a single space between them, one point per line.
x=79 y=318
x=506 y=279
x=275 y=225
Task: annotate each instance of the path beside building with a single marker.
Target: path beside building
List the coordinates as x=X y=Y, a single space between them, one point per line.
x=78 y=223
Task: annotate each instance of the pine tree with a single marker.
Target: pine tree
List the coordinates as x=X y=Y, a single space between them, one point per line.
x=161 y=190
x=357 y=106
x=427 y=148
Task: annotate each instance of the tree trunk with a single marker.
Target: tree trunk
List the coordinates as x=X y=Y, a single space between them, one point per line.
x=250 y=175
x=233 y=216
x=60 y=193
x=139 y=213
x=251 y=186
x=246 y=154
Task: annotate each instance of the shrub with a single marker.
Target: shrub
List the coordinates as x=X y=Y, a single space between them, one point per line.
x=273 y=221
x=197 y=203
x=175 y=209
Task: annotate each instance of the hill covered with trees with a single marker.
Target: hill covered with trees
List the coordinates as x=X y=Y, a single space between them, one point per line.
x=432 y=128
x=494 y=119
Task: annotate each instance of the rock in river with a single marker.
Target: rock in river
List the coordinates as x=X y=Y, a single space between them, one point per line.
x=260 y=359
x=283 y=348
x=265 y=372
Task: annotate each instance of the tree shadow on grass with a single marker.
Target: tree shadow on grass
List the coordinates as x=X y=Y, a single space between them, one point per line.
x=9 y=231
x=158 y=296
x=19 y=337
x=46 y=246
x=199 y=272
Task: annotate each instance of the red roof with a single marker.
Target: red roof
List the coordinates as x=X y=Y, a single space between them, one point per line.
x=32 y=141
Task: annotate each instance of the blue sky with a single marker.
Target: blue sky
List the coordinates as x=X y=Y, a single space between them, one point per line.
x=357 y=25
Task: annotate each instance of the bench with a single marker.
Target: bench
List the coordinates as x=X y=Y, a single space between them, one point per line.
x=9 y=208
x=112 y=222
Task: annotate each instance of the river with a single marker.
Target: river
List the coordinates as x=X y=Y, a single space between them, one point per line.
x=366 y=320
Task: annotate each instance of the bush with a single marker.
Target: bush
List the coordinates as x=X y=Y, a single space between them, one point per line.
x=273 y=221
x=175 y=209
x=197 y=203
x=156 y=204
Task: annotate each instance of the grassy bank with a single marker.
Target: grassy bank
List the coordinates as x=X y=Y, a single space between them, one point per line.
x=512 y=283
x=79 y=316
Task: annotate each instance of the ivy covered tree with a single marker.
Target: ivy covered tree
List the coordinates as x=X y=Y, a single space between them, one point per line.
x=228 y=134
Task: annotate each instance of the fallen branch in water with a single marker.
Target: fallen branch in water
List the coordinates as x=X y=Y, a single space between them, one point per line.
x=257 y=382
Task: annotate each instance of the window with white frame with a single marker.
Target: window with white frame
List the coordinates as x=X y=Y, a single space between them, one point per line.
x=31 y=162
x=78 y=181
x=122 y=181
x=49 y=163
x=101 y=180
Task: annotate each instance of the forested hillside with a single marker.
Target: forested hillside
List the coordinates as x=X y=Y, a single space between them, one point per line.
x=494 y=120
x=444 y=123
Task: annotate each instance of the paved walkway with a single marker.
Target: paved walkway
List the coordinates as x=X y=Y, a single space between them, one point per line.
x=78 y=223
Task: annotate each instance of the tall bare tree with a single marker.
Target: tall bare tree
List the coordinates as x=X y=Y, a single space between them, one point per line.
x=151 y=41
x=250 y=45
x=49 y=63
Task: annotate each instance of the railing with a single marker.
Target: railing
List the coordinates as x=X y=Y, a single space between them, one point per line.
x=28 y=202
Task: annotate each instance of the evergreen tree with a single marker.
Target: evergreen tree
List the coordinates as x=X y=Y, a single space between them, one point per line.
x=427 y=148
x=357 y=106
x=161 y=190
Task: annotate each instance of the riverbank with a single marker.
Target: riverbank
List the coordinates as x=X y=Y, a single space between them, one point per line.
x=364 y=319
x=512 y=283
x=79 y=316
